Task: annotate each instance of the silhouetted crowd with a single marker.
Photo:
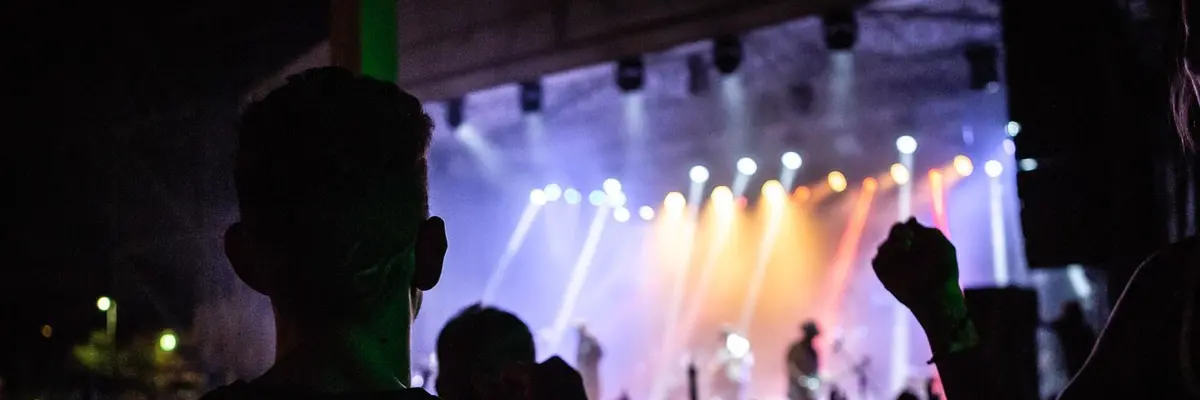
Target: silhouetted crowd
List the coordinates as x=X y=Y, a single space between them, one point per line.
x=332 y=180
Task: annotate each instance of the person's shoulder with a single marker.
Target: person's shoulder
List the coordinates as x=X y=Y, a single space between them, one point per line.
x=1169 y=262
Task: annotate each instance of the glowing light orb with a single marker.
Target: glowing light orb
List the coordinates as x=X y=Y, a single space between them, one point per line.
x=721 y=195
x=553 y=192
x=737 y=345
x=993 y=168
x=837 y=181
x=1012 y=128
x=611 y=186
x=646 y=212
x=900 y=174
x=963 y=165
x=168 y=341
x=103 y=303
x=870 y=183
x=1010 y=148
x=699 y=174
x=774 y=192
x=791 y=160
x=1028 y=164
x=572 y=196
x=597 y=197
x=746 y=166
x=674 y=201
x=621 y=214
x=617 y=199
x=802 y=193
x=906 y=144
x=537 y=197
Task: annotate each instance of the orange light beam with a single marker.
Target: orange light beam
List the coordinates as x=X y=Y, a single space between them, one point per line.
x=774 y=222
x=847 y=249
x=937 y=192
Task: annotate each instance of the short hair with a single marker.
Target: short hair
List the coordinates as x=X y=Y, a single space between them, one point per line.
x=479 y=343
x=331 y=170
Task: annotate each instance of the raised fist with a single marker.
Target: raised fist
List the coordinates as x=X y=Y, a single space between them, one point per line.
x=918 y=265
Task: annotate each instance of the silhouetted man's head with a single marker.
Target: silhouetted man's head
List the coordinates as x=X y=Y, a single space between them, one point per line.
x=484 y=350
x=809 y=329
x=331 y=178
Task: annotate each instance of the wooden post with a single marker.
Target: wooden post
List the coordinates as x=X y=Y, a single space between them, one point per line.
x=363 y=38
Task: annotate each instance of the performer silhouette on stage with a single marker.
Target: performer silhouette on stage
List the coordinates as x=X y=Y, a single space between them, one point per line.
x=802 y=365
x=733 y=363
x=588 y=361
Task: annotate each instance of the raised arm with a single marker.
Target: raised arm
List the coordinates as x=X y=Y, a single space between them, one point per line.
x=918 y=266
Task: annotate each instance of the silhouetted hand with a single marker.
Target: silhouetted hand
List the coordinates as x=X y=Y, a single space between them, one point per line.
x=555 y=380
x=918 y=265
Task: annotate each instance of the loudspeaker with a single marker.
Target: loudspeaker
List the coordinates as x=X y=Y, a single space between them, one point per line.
x=1007 y=321
x=1092 y=115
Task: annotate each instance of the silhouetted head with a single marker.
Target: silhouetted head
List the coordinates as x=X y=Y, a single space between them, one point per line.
x=484 y=350
x=331 y=178
x=907 y=396
x=809 y=329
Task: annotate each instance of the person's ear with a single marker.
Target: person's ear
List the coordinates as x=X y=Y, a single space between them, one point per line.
x=246 y=259
x=430 y=253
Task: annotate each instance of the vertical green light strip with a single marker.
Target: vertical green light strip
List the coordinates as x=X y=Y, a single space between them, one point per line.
x=377 y=36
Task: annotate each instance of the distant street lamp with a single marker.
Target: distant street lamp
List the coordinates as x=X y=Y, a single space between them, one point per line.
x=168 y=341
x=109 y=307
x=104 y=303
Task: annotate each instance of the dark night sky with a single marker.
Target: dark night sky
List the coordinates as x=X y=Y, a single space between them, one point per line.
x=118 y=158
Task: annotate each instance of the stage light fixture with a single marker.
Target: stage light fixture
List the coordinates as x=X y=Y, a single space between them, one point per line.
x=993 y=168
x=537 y=197
x=699 y=174
x=572 y=196
x=597 y=198
x=870 y=183
x=774 y=192
x=841 y=30
x=837 y=181
x=963 y=165
x=737 y=345
x=531 y=96
x=631 y=74
x=553 y=192
x=1009 y=146
x=1012 y=128
x=617 y=199
x=721 y=195
x=727 y=53
x=646 y=212
x=981 y=58
x=674 y=201
x=611 y=185
x=802 y=193
x=621 y=214
x=454 y=112
x=906 y=144
x=900 y=174
x=747 y=166
x=1027 y=164
x=791 y=160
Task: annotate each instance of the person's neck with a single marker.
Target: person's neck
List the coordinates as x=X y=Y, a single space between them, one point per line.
x=347 y=360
